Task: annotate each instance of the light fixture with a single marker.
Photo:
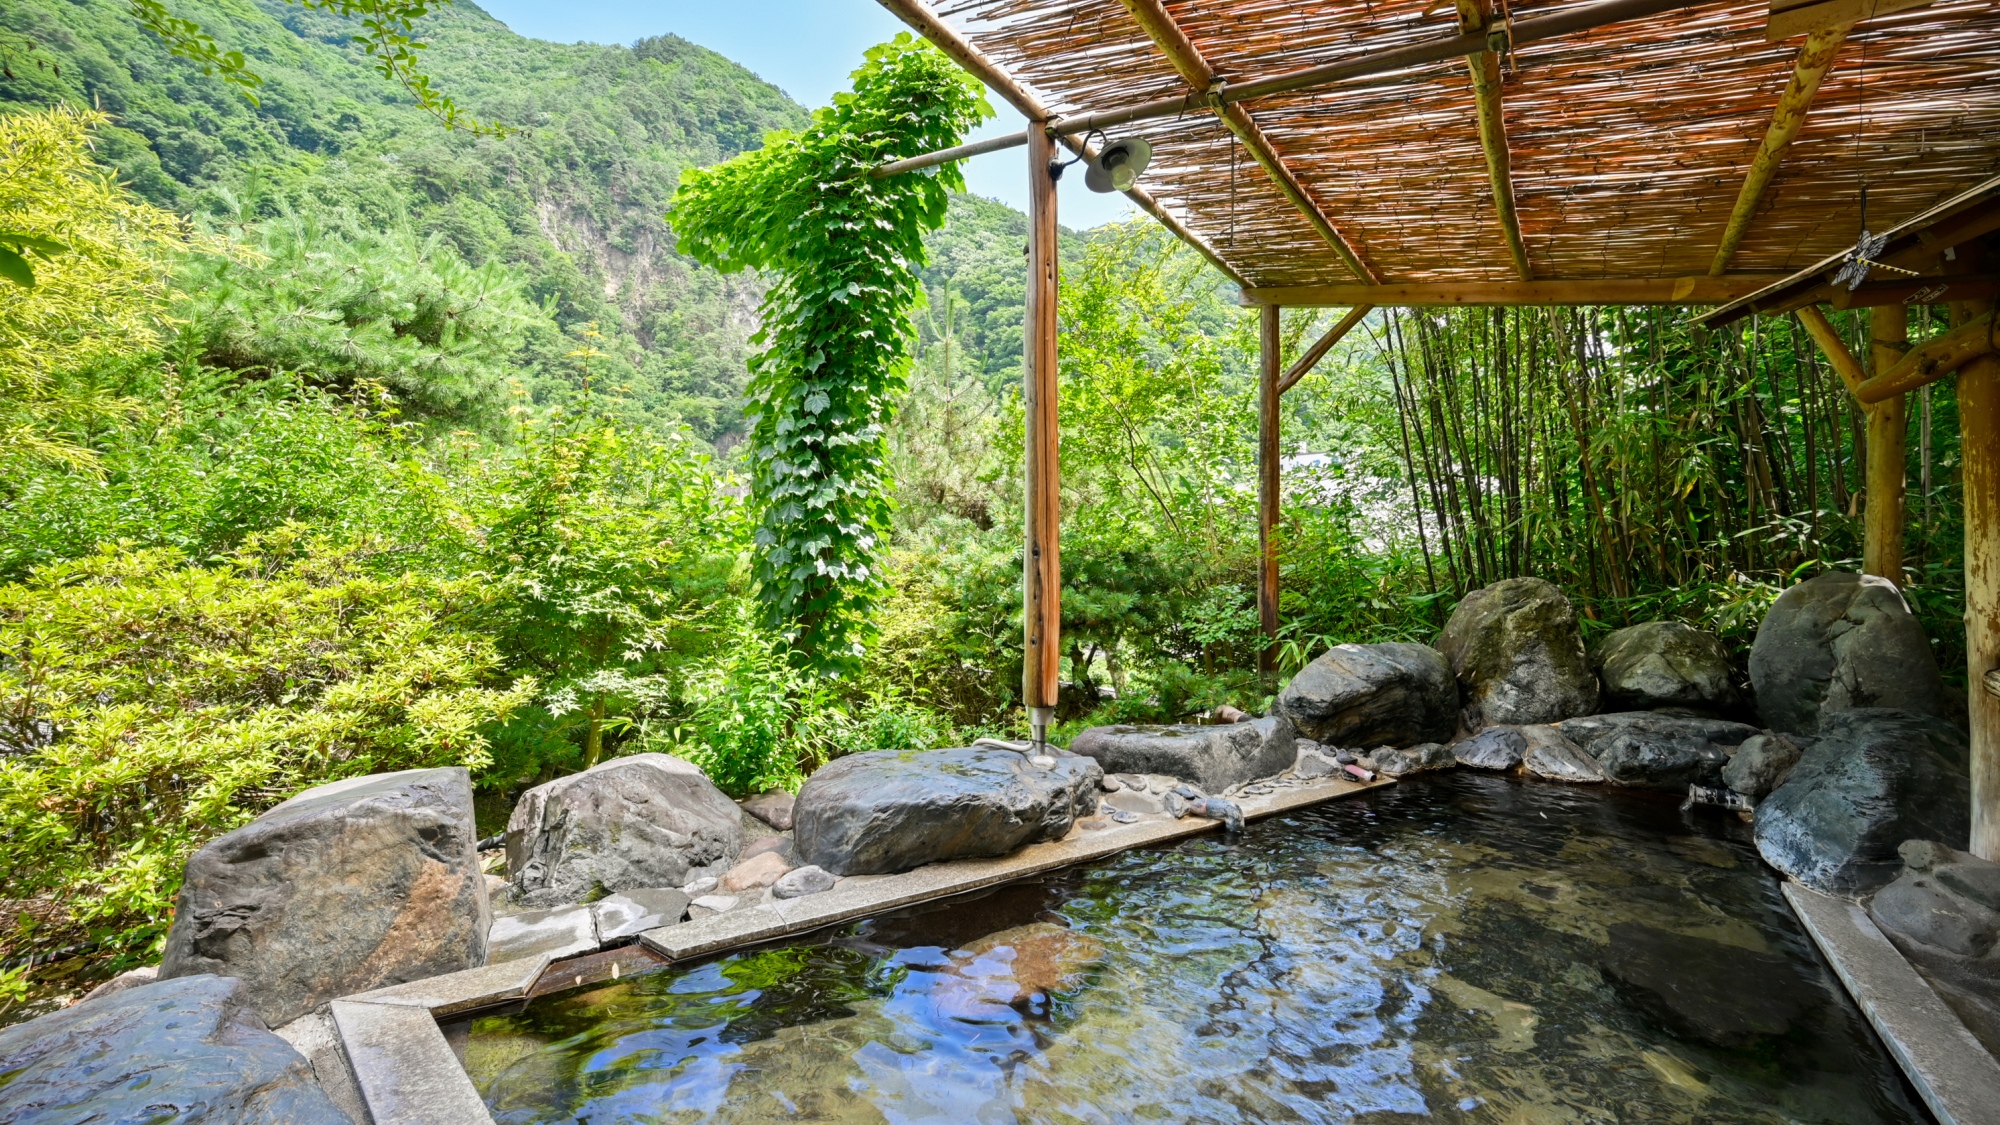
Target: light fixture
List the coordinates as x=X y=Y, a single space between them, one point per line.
x=1117 y=168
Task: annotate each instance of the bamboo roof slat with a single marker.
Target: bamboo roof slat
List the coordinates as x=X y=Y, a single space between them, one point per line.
x=1629 y=143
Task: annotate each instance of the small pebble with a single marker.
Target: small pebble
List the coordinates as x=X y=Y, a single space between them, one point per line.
x=701 y=886
x=1111 y=784
x=1345 y=757
x=1187 y=792
x=1093 y=824
x=1124 y=817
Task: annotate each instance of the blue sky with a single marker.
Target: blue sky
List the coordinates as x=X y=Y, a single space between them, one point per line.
x=805 y=48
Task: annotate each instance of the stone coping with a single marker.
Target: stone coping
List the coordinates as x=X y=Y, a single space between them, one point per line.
x=1949 y=1067
x=408 y=1073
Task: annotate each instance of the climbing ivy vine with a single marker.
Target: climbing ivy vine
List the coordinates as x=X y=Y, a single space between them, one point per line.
x=834 y=350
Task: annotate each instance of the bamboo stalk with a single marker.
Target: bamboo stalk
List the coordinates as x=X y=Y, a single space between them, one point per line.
x=1815 y=59
x=1268 y=482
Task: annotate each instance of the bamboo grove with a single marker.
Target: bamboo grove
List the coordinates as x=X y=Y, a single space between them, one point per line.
x=1651 y=467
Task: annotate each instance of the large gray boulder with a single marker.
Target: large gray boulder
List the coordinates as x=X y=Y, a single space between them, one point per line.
x=1943 y=912
x=1518 y=655
x=1652 y=750
x=640 y=821
x=344 y=888
x=1373 y=695
x=892 y=810
x=1214 y=758
x=191 y=1049
x=1495 y=748
x=1875 y=778
x=1664 y=664
x=1722 y=994
x=1839 y=642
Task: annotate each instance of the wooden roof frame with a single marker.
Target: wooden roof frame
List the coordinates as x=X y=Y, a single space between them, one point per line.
x=1483 y=39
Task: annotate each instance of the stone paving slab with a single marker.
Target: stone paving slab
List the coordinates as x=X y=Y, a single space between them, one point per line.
x=864 y=896
x=453 y=993
x=1951 y=1070
x=407 y=1073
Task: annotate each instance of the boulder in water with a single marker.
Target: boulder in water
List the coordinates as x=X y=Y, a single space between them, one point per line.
x=1761 y=764
x=1652 y=750
x=1495 y=748
x=190 y=1049
x=1392 y=761
x=1720 y=994
x=1664 y=664
x=347 y=887
x=892 y=810
x=1552 y=756
x=1214 y=758
x=1518 y=655
x=1369 y=695
x=1839 y=642
x=1875 y=778
x=640 y=821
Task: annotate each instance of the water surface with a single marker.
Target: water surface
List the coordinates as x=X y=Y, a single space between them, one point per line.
x=1457 y=948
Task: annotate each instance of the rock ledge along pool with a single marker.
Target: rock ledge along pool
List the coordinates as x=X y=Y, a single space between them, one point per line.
x=1455 y=948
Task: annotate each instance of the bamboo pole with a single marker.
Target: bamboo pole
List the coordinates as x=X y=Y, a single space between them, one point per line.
x=1979 y=427
x=1269 y=359
x=1888 y=434
x=1815 y=59
x=1474 y=17
x=1042 y=559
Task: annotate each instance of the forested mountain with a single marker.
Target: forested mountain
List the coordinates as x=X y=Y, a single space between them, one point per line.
x=569 y=205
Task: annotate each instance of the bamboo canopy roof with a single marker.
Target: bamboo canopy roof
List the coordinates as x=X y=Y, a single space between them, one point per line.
x=1596 y=165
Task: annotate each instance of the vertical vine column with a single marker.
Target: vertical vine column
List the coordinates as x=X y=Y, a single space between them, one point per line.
x=1042 y=560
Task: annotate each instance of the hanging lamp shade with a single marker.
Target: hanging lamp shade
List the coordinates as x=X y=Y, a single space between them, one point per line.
x=1117 y=168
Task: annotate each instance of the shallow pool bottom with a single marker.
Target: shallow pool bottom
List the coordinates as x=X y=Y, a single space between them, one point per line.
x=1456 y=948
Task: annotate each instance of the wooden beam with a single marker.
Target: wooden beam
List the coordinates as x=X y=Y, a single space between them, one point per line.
x=1815 y=59
x=1194 y=69
x=1797 y=17
x=1917 y=291
x=1475 y=17
x=1935 y=360
x=925 y=22
x=1888 y=456
x=1834 y=349
x=1269 y=343
x=1602 y=291
x=1042 y=557
x=1979 y=444
x=1320 y=347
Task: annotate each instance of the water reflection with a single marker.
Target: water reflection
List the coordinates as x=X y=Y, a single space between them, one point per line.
x=1465 y=948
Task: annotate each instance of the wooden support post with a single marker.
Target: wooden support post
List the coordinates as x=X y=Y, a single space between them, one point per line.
x=1042 y=561
x=1979 y=430
x=1888 y=429
x=1270 y=365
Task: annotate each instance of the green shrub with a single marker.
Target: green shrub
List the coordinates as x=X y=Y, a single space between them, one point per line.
x=148 y=705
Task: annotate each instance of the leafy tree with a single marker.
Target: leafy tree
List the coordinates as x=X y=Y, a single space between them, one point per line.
x=147 y=706
x=612 y=552
x=103 y=296
x=845 y=247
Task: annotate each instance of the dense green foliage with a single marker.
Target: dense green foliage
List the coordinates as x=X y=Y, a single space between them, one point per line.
x=845 y=248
